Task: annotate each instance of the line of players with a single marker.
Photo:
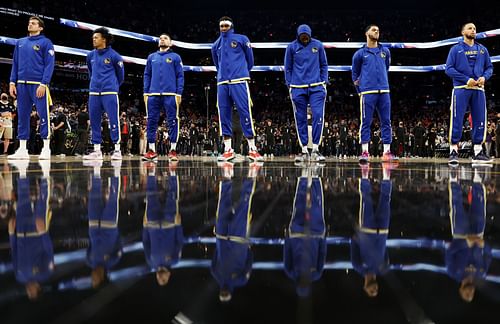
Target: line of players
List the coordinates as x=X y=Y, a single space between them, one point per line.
x=306 y=75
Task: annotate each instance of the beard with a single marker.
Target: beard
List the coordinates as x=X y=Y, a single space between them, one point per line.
x=470 y=37
x=373 y=38
x=163 y=46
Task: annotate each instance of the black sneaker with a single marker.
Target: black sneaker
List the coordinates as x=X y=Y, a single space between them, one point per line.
x=453 y=159
x=481 y=157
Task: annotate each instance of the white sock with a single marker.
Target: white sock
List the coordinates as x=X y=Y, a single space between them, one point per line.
x=251 y=144
x=227 y=145
x=22 y=145
x=173 y=146
x=117 y=147
x=364 y=147
x=304 y=150
x=315 y=147
x=46 y=143
x=97 y=147
x=477 y=148
x=386 y=174
x=476 y=178
x=387 y=148
x=152 y=147
x=454 y=147
x=22 y=173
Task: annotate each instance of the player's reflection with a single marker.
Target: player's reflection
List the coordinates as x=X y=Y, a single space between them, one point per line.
x=369 y=255
x=468 y=256
x=305 y=247
x=232 y=260
x=32 y=251
x=105 y=248
x=162 y=235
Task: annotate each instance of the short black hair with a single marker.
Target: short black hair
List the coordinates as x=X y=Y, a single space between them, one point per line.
x=369 y=27
x=105 y=34
x=165 y=34
x=463 y=26
x=40 y=21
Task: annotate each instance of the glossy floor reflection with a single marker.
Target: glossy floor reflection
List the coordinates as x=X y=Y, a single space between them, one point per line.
x=201 y=242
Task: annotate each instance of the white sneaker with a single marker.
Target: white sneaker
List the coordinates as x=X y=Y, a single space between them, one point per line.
x=117 y=155
x=20 y=154
x=45 y=154
x=96 y=155
x=45 y=166
x=22 y=166
x=117 y=165
x=93 y=163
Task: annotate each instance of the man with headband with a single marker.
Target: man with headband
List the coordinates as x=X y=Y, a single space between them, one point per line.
x=32 y=68
x=306 y=75
x=469 y=66
x=233 y=58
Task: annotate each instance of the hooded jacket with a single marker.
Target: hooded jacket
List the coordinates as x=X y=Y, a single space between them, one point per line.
x=33 y=60
x=305 y=64
x=370 y=67
x=106 y=70
x=458 y=68
x=163 y=74
x=233 y=57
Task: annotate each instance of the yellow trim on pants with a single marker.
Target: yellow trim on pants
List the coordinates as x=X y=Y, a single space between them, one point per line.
x=235 y=81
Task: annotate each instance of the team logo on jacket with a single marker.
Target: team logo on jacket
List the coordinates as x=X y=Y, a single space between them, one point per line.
x=249 y=45
x=36 y=47
x=168 y=60
x=382 y=55
x=107 y=60
x=314 y=50
x=234 y=44
x=120 y=64
x=481 y=51
x=51 y=52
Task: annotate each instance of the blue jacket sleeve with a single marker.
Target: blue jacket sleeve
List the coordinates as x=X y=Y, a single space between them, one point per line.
x=450 y=69
x=288 y=258
x=119 y=69
x=89 y=65
x=356 y=66
x=322 y=251
x=49 y=59
x=13 y=72
x=214 y=55
x=323 y=64
x=179 y=240
x=488 y=67
x=388 y=59
x=146 y=243
x=179 y=75
x=288 y=65
x=147 y=75
x=248 y=53
x=13 y=248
